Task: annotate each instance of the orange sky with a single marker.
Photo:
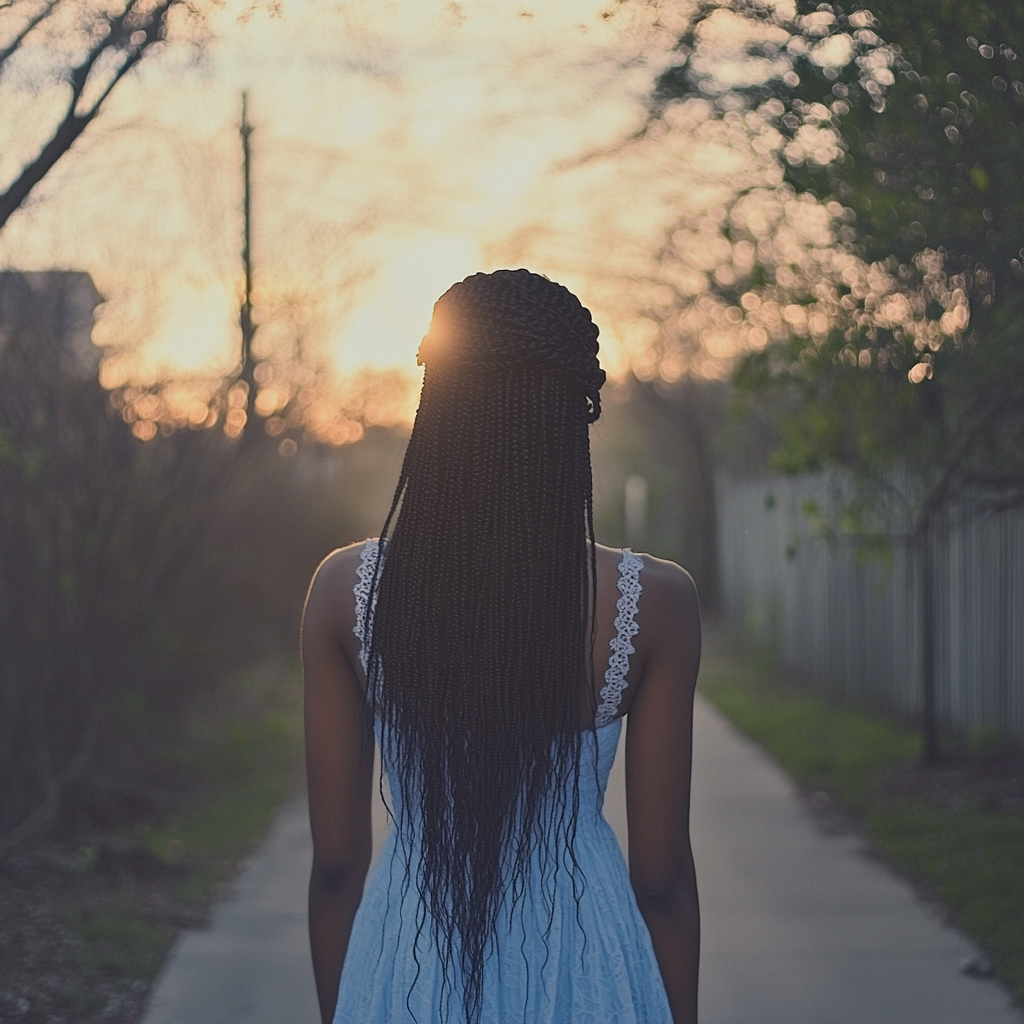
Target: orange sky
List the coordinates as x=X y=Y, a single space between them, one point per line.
x=399 y=146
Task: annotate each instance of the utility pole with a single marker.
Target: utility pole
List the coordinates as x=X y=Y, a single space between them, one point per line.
x=248 y=327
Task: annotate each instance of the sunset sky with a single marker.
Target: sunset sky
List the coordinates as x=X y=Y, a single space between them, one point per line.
x=398 y=147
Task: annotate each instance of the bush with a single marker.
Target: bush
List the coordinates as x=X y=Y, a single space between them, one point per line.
x=133 y=576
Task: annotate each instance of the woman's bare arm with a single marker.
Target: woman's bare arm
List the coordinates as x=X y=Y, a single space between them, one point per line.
x=658 y=756
x=339 y=766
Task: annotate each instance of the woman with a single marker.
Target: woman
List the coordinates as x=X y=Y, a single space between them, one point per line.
x=474 y=641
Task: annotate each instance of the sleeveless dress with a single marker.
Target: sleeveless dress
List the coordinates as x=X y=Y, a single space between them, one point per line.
x=588 y=965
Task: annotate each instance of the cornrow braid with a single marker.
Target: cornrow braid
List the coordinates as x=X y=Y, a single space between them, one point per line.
x=480 y=641
x=513 y=318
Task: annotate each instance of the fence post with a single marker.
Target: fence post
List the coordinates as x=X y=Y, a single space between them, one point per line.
x=930 y=725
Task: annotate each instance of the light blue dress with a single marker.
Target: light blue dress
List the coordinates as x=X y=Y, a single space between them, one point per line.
x=591 y=964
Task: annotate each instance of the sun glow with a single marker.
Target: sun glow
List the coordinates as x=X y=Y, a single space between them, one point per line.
x=199 y=334
x=386 y=328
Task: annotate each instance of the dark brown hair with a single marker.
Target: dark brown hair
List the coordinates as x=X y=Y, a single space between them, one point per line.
x=480 y=639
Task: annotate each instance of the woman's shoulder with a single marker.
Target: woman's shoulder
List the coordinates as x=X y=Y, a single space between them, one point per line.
x=669 y=581
x=669 y=602
x=336 y=576
x=662 y=580
x=343 y=562
x=669 y=620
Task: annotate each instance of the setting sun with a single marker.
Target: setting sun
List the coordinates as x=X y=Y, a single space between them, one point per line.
x=386 y=328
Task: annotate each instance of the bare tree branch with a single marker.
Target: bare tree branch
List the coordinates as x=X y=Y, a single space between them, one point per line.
x=32 y=22
x=113 y=39
x=132 y=34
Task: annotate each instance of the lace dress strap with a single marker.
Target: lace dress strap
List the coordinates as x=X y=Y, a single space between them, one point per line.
x=622 y=643
x=361 y=592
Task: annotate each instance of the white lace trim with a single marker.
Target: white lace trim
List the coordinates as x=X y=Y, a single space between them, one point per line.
x=621 y=644
x=361 y=591
x=626 y=626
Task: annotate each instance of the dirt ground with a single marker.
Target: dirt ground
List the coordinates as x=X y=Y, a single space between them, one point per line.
x=84 y=930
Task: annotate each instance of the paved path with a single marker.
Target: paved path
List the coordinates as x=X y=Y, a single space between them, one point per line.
x=803 y=928
x=798 y=927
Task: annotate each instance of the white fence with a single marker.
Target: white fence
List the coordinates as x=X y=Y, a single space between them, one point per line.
x=854 y=625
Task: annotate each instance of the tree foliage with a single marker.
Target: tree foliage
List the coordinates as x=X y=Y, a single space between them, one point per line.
x=897 y=340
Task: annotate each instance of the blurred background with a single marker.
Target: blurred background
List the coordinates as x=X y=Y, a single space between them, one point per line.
x=222 y=230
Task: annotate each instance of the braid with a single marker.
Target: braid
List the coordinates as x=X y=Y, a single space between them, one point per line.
x=513 y=318
x=480 y=644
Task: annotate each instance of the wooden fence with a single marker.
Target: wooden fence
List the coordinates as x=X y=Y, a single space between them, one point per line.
x=853 y=625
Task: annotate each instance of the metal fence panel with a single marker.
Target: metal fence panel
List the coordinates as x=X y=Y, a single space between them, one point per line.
x=852 y=625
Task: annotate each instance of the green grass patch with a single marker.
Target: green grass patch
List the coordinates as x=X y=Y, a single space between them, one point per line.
x=949 y=837
x=121 y=944
x=85 y=927
x=250 y=770
x=972 y=860
x=247 y=768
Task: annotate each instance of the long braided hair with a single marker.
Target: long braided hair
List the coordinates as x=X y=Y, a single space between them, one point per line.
x=480 y=625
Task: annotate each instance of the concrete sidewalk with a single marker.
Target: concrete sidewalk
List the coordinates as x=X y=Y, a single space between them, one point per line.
x=804 y=928
x=798 y=927
x=251 y=964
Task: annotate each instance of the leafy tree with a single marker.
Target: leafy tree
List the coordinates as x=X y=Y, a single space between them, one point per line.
x=898 y=340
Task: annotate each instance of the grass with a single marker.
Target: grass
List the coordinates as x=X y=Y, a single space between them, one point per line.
x=251 y=772
x=85 y=929
x=120 y=944
x=955 y=830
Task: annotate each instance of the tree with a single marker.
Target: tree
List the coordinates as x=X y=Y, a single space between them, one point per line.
x=102 y=43
x=896 y=342
x=134 y=575
x=904 y=347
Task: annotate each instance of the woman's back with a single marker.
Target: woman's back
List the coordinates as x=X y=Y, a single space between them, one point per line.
x=473 y=640
x=555 y=960
x=572 y=946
